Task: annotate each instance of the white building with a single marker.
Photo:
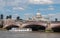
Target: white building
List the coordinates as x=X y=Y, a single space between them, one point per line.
x=39 y=17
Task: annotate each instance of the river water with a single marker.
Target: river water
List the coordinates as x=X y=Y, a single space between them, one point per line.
x=10 y=34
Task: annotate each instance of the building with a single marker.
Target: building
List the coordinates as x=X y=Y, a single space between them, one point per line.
x=38 y=17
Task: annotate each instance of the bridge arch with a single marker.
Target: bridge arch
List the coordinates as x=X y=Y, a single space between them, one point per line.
x=11 y=26
x=35 y=27
x=56 y=28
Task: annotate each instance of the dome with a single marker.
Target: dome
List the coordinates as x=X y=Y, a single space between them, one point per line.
x=38 y=14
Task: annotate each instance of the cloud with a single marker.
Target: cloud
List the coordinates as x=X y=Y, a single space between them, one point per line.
x=12 y=2
x=50 y=15
x=51 y=8
x=48 y=8
x=56 y=1
x=28 y=14
x=15 y=15
x=41 y=1
x=2 y=4
x=15 y=3
x=18 y=8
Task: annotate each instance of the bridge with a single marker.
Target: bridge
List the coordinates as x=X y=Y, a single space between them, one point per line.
x=35 y=25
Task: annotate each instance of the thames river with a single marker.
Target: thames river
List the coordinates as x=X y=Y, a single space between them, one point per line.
x=10 y=34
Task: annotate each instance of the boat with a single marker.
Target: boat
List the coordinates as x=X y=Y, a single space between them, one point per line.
x=21 y=29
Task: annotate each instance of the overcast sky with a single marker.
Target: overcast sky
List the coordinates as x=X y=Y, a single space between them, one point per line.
x=23 y=7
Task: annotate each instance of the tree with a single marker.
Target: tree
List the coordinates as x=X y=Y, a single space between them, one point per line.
x=1 y=16
x=6 y=17
x=18 y=18
x=10 y=17
x=56 y=19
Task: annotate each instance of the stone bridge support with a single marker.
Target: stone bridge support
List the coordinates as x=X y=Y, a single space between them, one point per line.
x=47 y=25
x=10 y=22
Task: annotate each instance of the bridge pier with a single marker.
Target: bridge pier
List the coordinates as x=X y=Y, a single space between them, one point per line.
x=56 y=29
x=48 y=27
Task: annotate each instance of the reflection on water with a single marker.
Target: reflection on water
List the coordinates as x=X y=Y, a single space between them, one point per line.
x=9 y=34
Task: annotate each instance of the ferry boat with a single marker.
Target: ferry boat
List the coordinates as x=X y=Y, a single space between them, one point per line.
x=21 y=29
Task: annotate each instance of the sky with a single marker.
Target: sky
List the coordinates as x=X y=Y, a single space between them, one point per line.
x=22 y=8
